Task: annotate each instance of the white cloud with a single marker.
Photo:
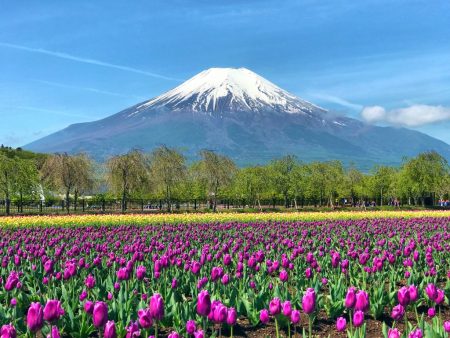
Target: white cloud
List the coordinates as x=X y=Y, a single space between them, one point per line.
x=85 y=60
x=412 y=116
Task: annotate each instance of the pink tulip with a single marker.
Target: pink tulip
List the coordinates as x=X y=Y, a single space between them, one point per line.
x=8 y=331
x=157 y=306
x=264 y=316
x=394 y=333
x=145 y=318
x=110 y=330
x=100 y=314
x=35 y=317
x=309 y=301
x=203 y=303
x=275 y=306
x=358 y=318
x=341 y=324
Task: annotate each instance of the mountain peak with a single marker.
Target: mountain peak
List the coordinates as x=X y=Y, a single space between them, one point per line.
x=229 y=90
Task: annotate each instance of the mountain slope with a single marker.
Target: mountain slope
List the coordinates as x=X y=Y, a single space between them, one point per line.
x=239 y=113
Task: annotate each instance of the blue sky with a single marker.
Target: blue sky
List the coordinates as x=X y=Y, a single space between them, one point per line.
x=65 y=62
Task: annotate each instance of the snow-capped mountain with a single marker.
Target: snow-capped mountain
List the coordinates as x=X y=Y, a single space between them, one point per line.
x=240 y=114
x=229 y=90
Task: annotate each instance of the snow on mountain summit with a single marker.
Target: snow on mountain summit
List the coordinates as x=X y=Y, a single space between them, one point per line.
x=219 y=90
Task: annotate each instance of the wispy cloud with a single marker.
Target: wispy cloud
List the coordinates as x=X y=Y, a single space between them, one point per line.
x=88 y=89
x=85 y=60
x=51 y=111
x=337 y=100
x=412 y=116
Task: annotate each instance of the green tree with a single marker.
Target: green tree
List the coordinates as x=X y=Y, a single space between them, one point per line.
x=425 y=173
x=298 y=182
x=280 y=176
x=127 y=174
x=251 y=184
x=381 y=181
x=353 y=181
x=168 y=169
x=7 y=179
x=217 y=171
x=26 y=180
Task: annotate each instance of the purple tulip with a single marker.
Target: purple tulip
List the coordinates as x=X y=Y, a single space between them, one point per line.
x=220 y=313
x=447 y=326
x=350 y=298
x=89 y=307
x=145 y=318
x=199 y=334
x=12 y=281
x=362 y=301
x=225 y=279
x=157 y=306
x=295 y=317
x=341 y=324
x=141 y=272
x=8 y=331
x=413 y=293
x=203 y=303
x=110 y=330
x=83 y=295
x=431 y=291
x=417 y=333
x=284 y=276
x=403 y=296
x=173 y=334
x=275 y=306
x=191 y=326
x=174 y=283
x=100 y=314
x=54 y=333
x=264 y=316
x=231 y=316
x=90 y=281
x=394 y=333
x=308 y=273
x=286 y=308
x=440 y=297
x=431 y=312
x=35 y=317
x=53 y=310
x=309 y=301
x=48 y=266
x=358 y=318
x=398 y=312
x=133 y=330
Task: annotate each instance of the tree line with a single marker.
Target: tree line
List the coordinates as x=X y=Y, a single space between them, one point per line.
x=165 y=174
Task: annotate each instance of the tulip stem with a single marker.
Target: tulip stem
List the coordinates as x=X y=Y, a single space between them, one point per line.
x=289 y=330
x=310 y=326
x=204 y=326
x=156 y=330
x=276 y=327
x=231 y=331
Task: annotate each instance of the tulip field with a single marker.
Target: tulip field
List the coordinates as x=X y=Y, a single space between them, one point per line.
x=341 y=274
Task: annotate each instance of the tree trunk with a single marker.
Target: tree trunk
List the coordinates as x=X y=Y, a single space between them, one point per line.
x=169 y=206
x=381 y=197
x=67 y=200
x=124 y=201
x=8 y=204
x=21 y=202
x=75 y=200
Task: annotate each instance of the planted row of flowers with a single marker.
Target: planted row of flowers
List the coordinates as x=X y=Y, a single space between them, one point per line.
x=211 y=279
x=184 y=218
